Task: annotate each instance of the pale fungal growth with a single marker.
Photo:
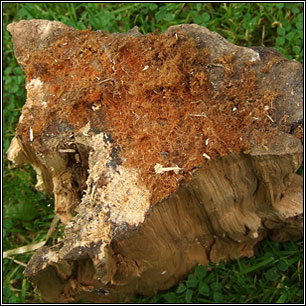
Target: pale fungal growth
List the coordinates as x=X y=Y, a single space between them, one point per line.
x=234 y=109
x=31 y=134
x=66 y=150
x=95 y=107
x=255 y=56
x=207 y=141
x=77 y=158
x=34 y=83
x=255 y=235
x=198 y=115
x=206 y=156
x=137 y=117
x=107 y=137
x=93 y=192
x=25 y=58
x=145 y=68
x=159 y=169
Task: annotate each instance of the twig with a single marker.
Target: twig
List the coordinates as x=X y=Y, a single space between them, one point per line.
x=269 y=117
x=106 y=80
x=33 y=247
x=198 y=115
x=17 y=261
x=159 y=169
x=66 y=150
x=206 y=156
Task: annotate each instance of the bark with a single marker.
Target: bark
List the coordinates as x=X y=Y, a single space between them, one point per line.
x=162 y=152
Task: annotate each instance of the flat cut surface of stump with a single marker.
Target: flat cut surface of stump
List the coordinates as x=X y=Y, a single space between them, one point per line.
x=161 y=151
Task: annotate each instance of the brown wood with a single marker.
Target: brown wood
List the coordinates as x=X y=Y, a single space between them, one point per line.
x=162 y=152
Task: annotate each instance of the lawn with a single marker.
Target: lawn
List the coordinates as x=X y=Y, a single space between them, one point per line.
x=275 y=273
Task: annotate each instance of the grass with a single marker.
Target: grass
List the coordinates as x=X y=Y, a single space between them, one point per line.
x=275 y=273
x=268 y=277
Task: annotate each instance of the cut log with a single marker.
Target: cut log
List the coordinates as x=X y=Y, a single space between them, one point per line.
x=162 y=152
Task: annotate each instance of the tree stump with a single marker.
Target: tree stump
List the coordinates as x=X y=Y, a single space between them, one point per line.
x=162 y=152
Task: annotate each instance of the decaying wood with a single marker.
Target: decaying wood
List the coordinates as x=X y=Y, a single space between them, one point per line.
x=162 y=152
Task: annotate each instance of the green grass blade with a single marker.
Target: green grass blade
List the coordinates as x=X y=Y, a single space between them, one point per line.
x=259 y=265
